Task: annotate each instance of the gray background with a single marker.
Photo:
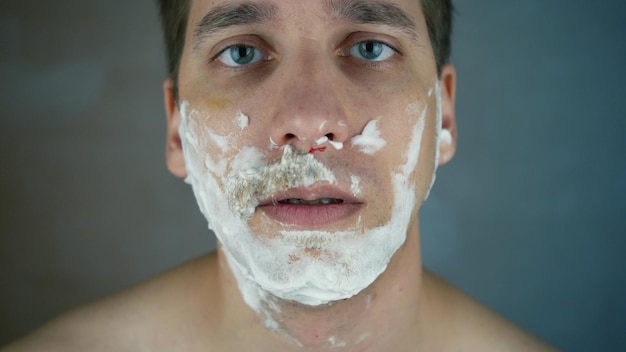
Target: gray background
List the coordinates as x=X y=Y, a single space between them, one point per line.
x=529 y=217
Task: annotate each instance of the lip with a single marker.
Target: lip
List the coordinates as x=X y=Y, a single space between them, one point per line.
x=310 y=216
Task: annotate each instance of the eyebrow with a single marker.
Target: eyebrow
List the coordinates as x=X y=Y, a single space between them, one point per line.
x=372 y=12
x=225 y=16
x=356 y=11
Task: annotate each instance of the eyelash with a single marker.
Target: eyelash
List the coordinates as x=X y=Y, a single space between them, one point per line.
x=257 y=55
x=389 y=51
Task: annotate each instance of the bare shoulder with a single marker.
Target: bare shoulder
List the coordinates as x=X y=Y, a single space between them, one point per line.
x=159 y=312
x=471 y=326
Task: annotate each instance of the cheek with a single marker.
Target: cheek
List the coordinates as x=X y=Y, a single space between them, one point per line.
x=214 y=138
x=410 y=154
x=424 y=173
x=403 y=129
x=217 y=104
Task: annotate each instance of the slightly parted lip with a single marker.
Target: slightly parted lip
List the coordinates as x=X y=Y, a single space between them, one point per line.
x=311 y=216
x=311 y=193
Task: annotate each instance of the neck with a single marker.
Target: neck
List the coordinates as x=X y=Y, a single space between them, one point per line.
x=383 y=314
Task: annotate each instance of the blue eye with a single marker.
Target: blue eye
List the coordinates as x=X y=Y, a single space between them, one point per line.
x=371 y=51
x=240 y=55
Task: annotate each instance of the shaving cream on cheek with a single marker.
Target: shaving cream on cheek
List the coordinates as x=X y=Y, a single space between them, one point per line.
x=239 y=180
x=355 y=185
x=369 y=141
x=228 y=182
x=242 y=120
x=438 y=135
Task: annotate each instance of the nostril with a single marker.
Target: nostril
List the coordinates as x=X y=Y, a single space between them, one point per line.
x=290 y=136
x=330 y=136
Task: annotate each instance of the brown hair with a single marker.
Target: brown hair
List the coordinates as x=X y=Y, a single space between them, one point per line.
x=174 y=15
x=438 y=14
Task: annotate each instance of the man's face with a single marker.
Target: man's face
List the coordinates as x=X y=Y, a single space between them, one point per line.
x=309 y=131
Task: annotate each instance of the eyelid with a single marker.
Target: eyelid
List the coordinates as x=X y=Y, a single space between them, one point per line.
x=356 y=38
x=242 y=40
x=388 y=51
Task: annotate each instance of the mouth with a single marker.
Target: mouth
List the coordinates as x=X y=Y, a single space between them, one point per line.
x=320 y=201
x=310 y=207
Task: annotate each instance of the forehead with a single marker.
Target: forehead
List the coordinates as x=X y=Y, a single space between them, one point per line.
x=208 y=16
x=411 y=6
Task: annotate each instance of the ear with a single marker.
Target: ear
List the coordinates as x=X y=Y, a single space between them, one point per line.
x=447 y=140
x=174 y=156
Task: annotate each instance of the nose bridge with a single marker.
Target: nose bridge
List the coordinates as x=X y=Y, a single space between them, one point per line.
x=309 y=109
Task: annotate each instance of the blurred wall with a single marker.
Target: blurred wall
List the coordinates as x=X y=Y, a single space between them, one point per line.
x=529 y=217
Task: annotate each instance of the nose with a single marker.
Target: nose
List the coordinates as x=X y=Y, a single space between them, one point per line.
x=309 y=114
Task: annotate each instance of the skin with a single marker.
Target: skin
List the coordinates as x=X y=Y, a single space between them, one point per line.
x=198 y=306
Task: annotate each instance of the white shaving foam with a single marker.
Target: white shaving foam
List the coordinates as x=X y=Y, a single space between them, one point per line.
x=439 y=119
x=445 y=138
x=252 y=183
x=242 y=120
x=361 y=338
x=273 y=145
x=332 y=341
x=348 y=261
x=325 y=139
x=369 y=141
x=355 y=185
x=336 y=145
x=321 y=140
x=220 y=141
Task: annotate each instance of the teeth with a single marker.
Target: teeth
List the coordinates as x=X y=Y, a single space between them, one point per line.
x=299 y=201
